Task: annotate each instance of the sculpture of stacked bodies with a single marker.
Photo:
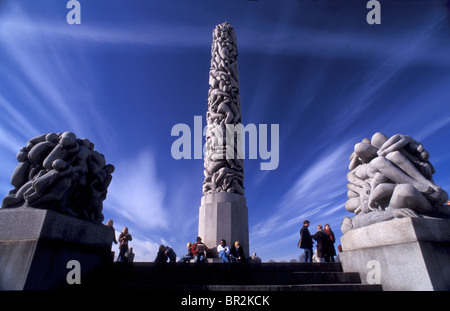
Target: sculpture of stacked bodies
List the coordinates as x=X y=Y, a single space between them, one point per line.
x=224 y=170
x=391 y=178
x=63 y=173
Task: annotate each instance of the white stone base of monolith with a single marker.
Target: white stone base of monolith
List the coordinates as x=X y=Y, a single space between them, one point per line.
x=406 y=254
x=224 y=216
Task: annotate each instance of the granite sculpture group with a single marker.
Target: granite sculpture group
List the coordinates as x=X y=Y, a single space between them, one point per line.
x=401 y=228
x=224 y=170
x=391 y=178
x=62 y=173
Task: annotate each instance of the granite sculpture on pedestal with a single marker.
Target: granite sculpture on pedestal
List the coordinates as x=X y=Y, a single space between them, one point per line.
x=54 y=213
x=223 y=212
x=62 y=173
x=401 y=220
x=391 y=178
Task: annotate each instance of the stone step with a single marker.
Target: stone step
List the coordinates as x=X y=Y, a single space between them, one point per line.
x=227 y=277
x=243 y=288
x=247 y=278
x=242 y=278
x=295 y=287
x=149 y=268
x=226 y=273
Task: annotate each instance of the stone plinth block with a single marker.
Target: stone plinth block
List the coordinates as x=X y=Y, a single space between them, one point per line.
x=224 y=215
x=404 y=254
x=37 y=244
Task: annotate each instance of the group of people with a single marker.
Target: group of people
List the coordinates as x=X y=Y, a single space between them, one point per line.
x=165 y=253
x=125 y=253
x=198 y=252
x=233 y=254
x=325 y=242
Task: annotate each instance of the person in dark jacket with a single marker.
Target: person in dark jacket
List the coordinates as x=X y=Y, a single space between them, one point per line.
x=124 y=237
x=171 y=254
x=238 y=252
x=323 y=243
x=306 y=242
x=161 y=256
x=332 y=250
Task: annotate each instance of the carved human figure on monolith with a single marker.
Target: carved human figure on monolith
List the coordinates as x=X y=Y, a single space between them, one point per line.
x=63 y=173
x=391 y=178
x=224 y=170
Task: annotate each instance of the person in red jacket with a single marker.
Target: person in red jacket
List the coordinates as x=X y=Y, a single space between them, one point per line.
x=199 y=250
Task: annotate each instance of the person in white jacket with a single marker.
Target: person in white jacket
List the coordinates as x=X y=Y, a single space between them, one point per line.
x=224 y=251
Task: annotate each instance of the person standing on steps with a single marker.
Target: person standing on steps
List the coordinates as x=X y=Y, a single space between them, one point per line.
x=306 y=242
x=332 y=250
x=110 y=224
x=124 y=237
x=323 y=244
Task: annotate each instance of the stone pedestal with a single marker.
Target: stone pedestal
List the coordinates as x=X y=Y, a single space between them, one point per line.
x=224 y=216
x=37 y=244
x=413 y=253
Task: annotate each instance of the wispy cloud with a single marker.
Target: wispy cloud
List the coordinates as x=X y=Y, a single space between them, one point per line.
x=253 y=38
x=10 y=141
x=310 y=185
x=50 y=86
x=16 y=119
x=433 y=128
x=151 y=34
x=311 y=193
x=137 y=194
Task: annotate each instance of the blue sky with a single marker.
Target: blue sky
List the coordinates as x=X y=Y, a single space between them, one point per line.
x=133 y=69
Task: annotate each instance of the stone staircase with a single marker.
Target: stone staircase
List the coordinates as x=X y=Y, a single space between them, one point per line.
x=226 y=277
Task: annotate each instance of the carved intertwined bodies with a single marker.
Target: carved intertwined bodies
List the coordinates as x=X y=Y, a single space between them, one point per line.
x=224 y=170
x=392 y=173
x=391 y=178
x=63 y=173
